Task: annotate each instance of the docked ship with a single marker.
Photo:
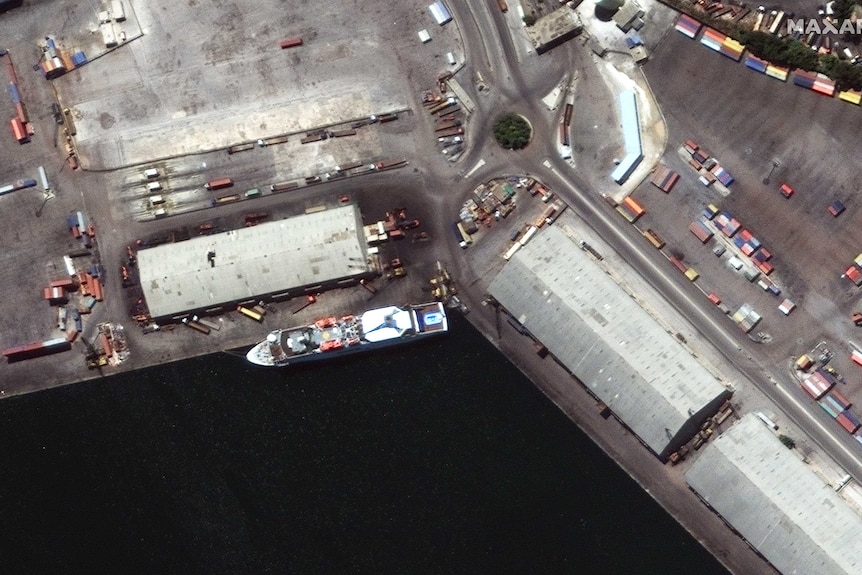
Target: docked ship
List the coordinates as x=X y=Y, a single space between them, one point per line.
x=335 y=336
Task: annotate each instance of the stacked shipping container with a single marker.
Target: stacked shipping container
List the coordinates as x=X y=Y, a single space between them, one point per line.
x=727 y=224
x=700 y=230
x=777 y=72
x=664 y=178
x=746 y=318
x=832 y=402
x=722 y=44
x=816 y=82
x=688 y=26
x=818 y=383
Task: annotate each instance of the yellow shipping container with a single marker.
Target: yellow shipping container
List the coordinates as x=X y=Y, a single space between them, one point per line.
x=851 y=96
x=691 y=274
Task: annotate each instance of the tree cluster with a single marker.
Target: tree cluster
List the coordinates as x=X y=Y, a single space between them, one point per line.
x=512 y=131
x=780 y=51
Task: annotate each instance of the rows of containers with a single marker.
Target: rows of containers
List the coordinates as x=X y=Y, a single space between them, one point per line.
x=732 y=49
x=742 y=238
x=708 y=168
x=713 y=221
x=72 y=296
x=20 y=123
x=819 y=385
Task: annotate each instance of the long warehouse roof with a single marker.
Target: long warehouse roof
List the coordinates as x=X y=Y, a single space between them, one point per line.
x=777 y=503
x=594 y=328
x=273 y=257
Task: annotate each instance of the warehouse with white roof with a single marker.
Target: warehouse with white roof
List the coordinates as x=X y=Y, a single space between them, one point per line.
x=591 y=326
x=304 y=254
x=777 y=503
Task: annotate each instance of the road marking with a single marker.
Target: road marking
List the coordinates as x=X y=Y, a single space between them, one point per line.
x=478 y=165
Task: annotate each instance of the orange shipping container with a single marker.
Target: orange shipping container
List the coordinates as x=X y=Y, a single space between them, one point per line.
x=106 y=345
x=97 y=289
x=635 y=207
x=18 y=130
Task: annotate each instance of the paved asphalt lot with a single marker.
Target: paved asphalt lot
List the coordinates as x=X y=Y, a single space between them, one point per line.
x=201 y=79
x=747 y=120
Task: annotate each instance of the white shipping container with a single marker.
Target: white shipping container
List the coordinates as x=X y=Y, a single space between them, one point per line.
x=440 y=13
x=117 y=11
x=151 y=173
x=109 y=35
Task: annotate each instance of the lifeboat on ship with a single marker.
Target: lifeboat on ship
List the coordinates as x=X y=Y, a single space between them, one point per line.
x=331 y=345
x=325 y=322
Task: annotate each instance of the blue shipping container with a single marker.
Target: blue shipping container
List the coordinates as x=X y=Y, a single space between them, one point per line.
x=803 y=81
x=14 y=94
x=755 y=64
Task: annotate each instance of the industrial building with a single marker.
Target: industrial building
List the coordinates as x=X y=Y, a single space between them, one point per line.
x=561 y=295
x=631 y=137
x=777 y=503
x=304 y=254
x=553 y=29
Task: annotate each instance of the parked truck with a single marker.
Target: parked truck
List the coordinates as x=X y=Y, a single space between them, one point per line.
x=219 y=184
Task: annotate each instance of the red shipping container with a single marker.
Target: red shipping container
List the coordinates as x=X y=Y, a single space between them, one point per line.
x=847 y=423
x=18 y=131
x=290 y=43
x=839 y=397
x=765 y=268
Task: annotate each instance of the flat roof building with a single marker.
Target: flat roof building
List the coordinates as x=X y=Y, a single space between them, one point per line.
x=777 y=503
x=302 y=254
x=600 y=334
x=553 y=29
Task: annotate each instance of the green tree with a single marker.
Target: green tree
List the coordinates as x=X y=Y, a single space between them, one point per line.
x=512 y=131
x=529 y=19
x=843 y=8
x=788 y=442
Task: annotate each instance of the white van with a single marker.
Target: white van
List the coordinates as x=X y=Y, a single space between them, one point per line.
x=450 y=57
x=156 y=200
x=154 y=186
x=151 y=173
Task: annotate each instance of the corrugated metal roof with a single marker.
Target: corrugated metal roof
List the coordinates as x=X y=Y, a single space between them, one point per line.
x=777 y=502
x=586 y=320
x=249 y=262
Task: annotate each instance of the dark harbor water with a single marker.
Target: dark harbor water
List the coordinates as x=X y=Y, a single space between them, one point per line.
x=434 y=458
